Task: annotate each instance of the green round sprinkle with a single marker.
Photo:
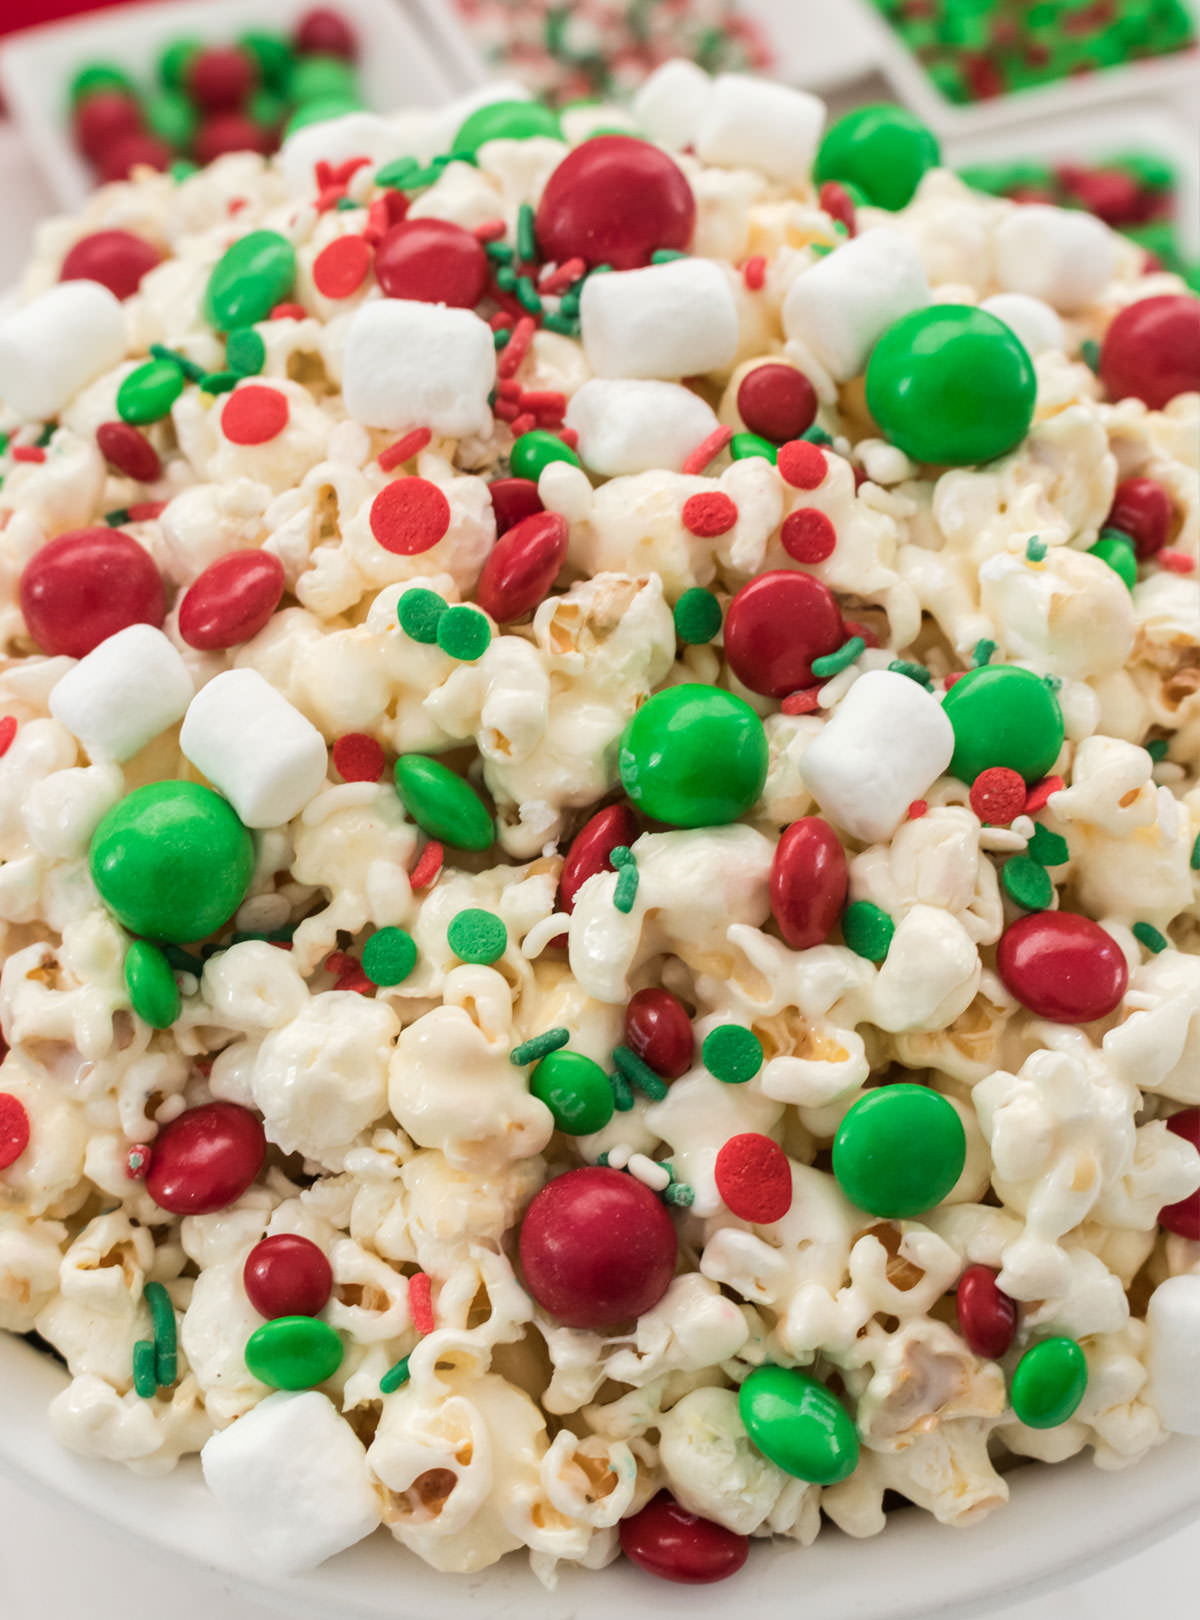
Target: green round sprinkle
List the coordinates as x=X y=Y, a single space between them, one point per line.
x=1147 y=935
x=99 y=76
x=419 y=611
x=389 y=956
x=145 y=1370
x=172 y=117
x=442 y=804
x=534 y=451
x=1027 y=883
x=153 y=993
x=245 y=351
x=881 y=149
x=477 y=936
x=732 y=1053
x=575 y=1090
x=1156 y=747
x=639 y=1073
x=166 y=1342
x=1116 y=549
x=273 y=54
x=744 y=445
x=148 y=392
x=694 y=756
x=899 y=1151
x=504 y=121
x=175 y=60
x=539 y=1046
x=833 y=663
x=697 y=616
x=294 y=1352
x=394 y=1377
x=817 y=435
x=317 y=77
x=1047 y=848
x=1048 y=1384
x=249 y=279
x=464 y=633
x=321 y=111
x=867 y=930
x=798 y=1424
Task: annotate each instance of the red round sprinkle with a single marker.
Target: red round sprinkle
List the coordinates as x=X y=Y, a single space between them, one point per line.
x=8 y=730
x=287 y=1275
x=221 y=76
x=409 y=516
x=591 y=848
x=998 y=795
x=433 y=261
x=230 y=132
x=777 y=401
x=129 y=451
x=420 y=1301
x=987 y=1317
x=834 y=200
x=808 y=536
x=1062 y=967
x=917 y=809
x=1151 y=350
x=1184 y=1217
x=254 y=414
x=323 y=32
x=85 y=586
x=512 y=500
x=801 y=464
x=206 y=1158
x=358 y=757
x=776 y=625
x=709 y=514
x=809 y=881
x=522 y=566
x=133 y=152
x=104 y=119
x=1141 y=509
x=658 y=1029
x=116 y=259
x=667 y=1541
x=615 y=200
x=1039 y=794
x=428 y=866
x=14 y=1129
x=341 y=267
x=754 y=1178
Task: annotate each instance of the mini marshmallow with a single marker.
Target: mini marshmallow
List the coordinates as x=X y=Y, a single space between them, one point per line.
x=669 y=320
x=263 y=755
x=293 y=1480
x=1061 y=255
x=126 y=692
x=634 y=425
x=885 y=745
x=1173 y=1359
x=842 y=306
x=1034 y=322
x=409 y=364
x=670 y=104
x=756 y=124
x=56 y=345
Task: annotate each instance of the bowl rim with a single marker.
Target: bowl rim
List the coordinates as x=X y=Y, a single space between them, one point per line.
x=1062 y=1523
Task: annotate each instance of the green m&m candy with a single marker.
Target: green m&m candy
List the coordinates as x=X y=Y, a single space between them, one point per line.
x=294 y=1352
x=249 y=279
x=317 y=77
x=504 y=121
x=951 y=384
x=175 y=60
x=882 y=149
x=575 y=1090
x=1116 y=549
x=172 y=117
x=97 y=76
x=149 y=391
x=442 y=804
x=172 y=861
x=273 y=54
x=153 y=993
x=321 y=110
x=799 y=1425
x=534 y=451
x=1049 y=1382
x=694 y=756
x=899 y=1150
x=1003 y=715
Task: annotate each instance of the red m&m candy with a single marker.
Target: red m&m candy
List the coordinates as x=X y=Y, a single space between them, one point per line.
x=809 y=879
x=85 y=586
x=221 y=77
x=324 y=32
x=615 y=200
x=522 y=566
x=667 y=1541
x=231 y=600
x=129 y=451
x=230 y=132
x=133 y=152
x=206 y=1158
x=597 y=1248
x=591 y=848
x=1142 y=510
x=659 y=1031
x=512 y=500
x=116 y=259
x=432 y=261
x=987 y=1317
x=1183 y=1218
x=777 y=401
x=287 y=1275
x=1152 y=350
x=1062 y=967
x=776 y=625
x=103 y=119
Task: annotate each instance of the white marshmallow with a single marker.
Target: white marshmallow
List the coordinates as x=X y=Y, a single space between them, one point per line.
x=1034 y=322
x=633 y=425
x=263 y=755
x=842 y=306
x=54 y=346
x=1173 y=1359
x=125 y=693
x=887 y=742
x=409 y=364
x=293 y=1480
x=757 y=124
x=670 y=104
x=1061 y=255
x=669 y=320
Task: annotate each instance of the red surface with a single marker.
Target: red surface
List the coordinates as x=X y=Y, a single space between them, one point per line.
x=754 y=1178
x=591 y=847
x=615 y=200
x=85 y=586
x=206 y=1158
x=231 y=600
x=987 y=1317
x=1063 y=967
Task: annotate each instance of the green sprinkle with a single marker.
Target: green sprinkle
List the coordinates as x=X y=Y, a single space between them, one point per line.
x=345 y=204
x=732 y=1053
x=697 y=616
x=219 y=382
x=625 y=893
x=984 y=652
x=389 y=956
x=477 y=936
x=640 y=1075
x=817 y=435
x=1089 y=353
x=744 y=445
x=528 y=296
x=666 y=256
x=1194 y=861
x=166 y=1343
x=501 y=337
x=1035 y=549
x=419 y=612
x=245 y=351
x=145 y=1374
x=622 y=1092
x=621 y=855
x=1146 y=934
x=867 y=930
x=183 y=169
x=1156 y=747
x=834 y=662
x=500 y=251
x=118 y=516
x=820 y=249
x=915 y=672
x=394 y=1377
x=45 y=437
x=5 y=439
x=463 y=632
x=1048 y=848
x=191 y=370
x=526 y=238
x=1116 y=550
x=1054 y=682
x=395 y=175
x=506 y=278
x=539 y=1046
x=568 y=304
x=181 y=961
x=1027 y=883
x=564 y=325
x=679 y=1193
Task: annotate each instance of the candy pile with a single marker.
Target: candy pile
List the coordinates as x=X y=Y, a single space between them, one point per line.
x=600 y=831
x=974 y=50
x=213 y=99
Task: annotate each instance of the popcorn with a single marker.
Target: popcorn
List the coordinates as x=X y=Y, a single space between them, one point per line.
x=124 y=693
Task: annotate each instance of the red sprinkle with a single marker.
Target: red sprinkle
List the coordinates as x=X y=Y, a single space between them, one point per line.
x=27 y=452
x=254 y=414
x=998 y=795
x=145 y=511
x=8 y=730
x=329 y=198
x=569 y=437
x=565 y=276
x=420 y=1301
x=802 y=464
x=834 y=200
x=754 y=272
x=754 y=1178
x=708 y=450
x=383 y=213
x=517 y=346
x=492 y=230
x=358 y=757
x=342 y=173
x=129 y=451
x=137 y=1162
x=429 y=864
x=409 y=516
x=404 y=449
x=14 y=1129
x=803 y=702
x=544 y=399
x=289 y=312
x=506 y=409
x=709 y=515
x=952 y=680
x=524 y=423
x=356 y=980
x=1040 y=792
x=1177 y=561
x=917 y=809
x=232 y=600
x=341 y=267
x=808 y=536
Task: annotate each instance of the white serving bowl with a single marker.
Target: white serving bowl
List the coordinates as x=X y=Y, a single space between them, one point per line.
x=1062 y=1523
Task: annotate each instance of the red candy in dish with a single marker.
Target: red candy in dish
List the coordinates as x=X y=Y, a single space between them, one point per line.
x=432 y=261
x=615 y=200
x=809 y=879
x=116 y=259
x=231 y=600
x=1062 y=967
x=522 y=566
x=287 y=1275
x=1152 y=350
x=326 y=33
x=659 y=1031
x=776 y=625
x=667 y=1541
x=85 y=586
x=205 y=1159
x=1183 y=1218
x=987 y=1317
x=221 y=77
x=133 y=152
x=103 y=119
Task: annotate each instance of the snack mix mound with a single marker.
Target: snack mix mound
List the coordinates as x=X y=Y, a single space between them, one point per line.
x=600 y=824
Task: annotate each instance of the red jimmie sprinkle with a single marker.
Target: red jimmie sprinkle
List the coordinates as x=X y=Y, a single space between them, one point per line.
x=342 y=173
x=952 y=680
x=492 y=230
x=358 y=757
x=1177 y=561
x=1040 y=792
x=834 y=200
x=854 y=628
x=565 y=276
x=707 y=450
x=14 y=1129
x=802 y=464
x=329 y=198
x=507 y=410
x=709 y=515
x=27 y=452
x=569 y=437
x=355 y=980
x=404 y=449
x=802 y=702
x=917 y=809
x=754 y=273
x=754 y=1178
x=146 y=511
x=808 y=536
x=383 y=213
x=8 y=730
x=524 y=423
x=254 y=414
x=424 y=873
x=341 y=267
x=998 y=795
x=420 y=1301
x=289 y=312
x=517 y=346
x=129 y=451
x=409 y=516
